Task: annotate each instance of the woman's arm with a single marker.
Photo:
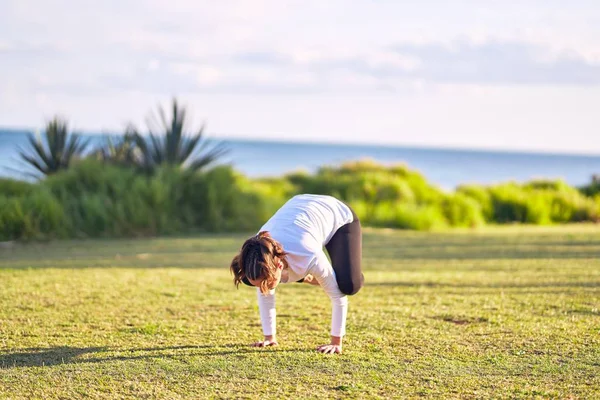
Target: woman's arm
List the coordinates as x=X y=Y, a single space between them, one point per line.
x=268 y=317
x=323 y=273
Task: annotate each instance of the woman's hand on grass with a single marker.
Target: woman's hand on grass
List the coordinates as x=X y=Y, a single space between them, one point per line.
x=269 y=341
x=330 y=349
x=335 y=347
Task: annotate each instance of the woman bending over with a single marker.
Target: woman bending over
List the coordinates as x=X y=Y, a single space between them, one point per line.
x=289 y=248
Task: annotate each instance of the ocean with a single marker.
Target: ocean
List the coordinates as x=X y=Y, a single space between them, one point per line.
x=447 y=168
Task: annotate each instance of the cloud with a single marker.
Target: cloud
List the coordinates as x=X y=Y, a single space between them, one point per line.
x=487 y=62
x=388 y=68
x=197 y=47
x=490 y=62
x=263 y=57
x=15 y=52
x=496 y=62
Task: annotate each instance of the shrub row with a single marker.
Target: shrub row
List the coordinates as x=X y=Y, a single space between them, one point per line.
x=97 y=200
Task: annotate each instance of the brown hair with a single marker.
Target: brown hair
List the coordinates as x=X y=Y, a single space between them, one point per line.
x=256 y=260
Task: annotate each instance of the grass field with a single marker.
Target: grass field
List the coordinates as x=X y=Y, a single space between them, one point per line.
x=500 y=313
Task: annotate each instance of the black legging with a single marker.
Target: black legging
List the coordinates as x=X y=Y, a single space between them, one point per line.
x=345 y=251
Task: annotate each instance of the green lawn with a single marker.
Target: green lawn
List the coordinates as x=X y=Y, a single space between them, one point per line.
x=503 y=313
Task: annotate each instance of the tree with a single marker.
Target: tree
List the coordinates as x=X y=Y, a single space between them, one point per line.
x=168 y=143
x=58 y=151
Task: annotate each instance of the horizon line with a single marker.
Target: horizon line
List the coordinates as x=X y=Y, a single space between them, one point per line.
x=409 y=146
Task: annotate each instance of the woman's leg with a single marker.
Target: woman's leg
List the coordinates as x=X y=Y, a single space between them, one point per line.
x=345 y=251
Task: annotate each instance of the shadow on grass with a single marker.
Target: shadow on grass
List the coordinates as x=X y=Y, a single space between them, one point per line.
x=41 y=357
x=47 y=357
x=487 y=286
x=214 y=250
x=462 y=289
x=435 y=253
x=404 y=254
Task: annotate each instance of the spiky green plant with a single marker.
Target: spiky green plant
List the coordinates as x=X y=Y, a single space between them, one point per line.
x=57 y=152
x=168 y=143
x=121 y=151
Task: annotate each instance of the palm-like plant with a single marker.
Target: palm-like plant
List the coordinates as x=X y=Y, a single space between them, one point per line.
x=57 y=153
x=120 y=151
x=167 y=143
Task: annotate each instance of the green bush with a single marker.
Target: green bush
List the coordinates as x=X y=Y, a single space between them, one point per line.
x=225 y=206
x=592 y=189
x=45 y=214
x=105 y=200
x=363 y=210
x=482 y=196
x=462 y=210
x=264 y=196
x=421 y=218
x=13 y=187
x=38 y=215
x=231 y=202
x=538 y=202
x=92 y=199
x=538 y=208
x=509 y=203
x=400 y=215
x=97 y=198
x=367 y=181
x=555 y=186
x=91 y=176
x=13 y=220
x=572 y=206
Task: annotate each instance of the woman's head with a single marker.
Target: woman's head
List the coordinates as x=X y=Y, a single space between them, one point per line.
x=260 y=260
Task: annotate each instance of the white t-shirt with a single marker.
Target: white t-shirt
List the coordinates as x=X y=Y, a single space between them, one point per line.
x=303 y=226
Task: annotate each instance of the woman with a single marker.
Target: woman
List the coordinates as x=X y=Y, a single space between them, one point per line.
x=289 y=248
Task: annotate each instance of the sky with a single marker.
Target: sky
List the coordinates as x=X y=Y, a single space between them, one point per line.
x=482 y=74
